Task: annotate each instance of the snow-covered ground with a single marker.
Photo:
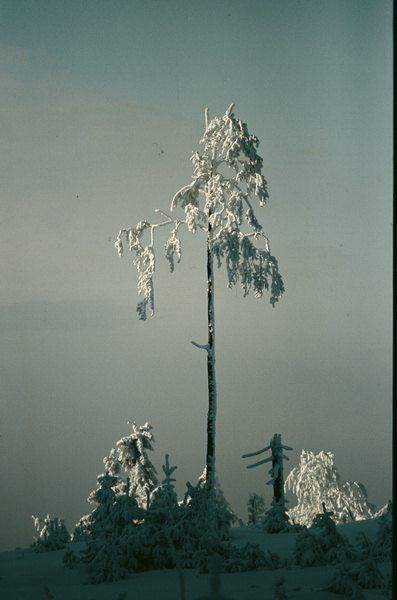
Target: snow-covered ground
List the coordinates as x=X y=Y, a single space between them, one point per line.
x=28 y=575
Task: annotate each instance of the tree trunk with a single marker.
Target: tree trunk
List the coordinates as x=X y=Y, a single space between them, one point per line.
x=211 y=418
x=278 y=485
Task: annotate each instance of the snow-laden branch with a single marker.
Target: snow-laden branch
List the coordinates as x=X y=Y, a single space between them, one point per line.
x=260 y=462
x=256 y=453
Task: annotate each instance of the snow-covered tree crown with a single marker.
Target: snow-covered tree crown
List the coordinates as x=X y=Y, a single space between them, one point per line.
x=315 y=481
x=227 y=174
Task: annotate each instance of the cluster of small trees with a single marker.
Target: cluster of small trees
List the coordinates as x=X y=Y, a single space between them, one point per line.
x=322 y=544
x=139 y=524
x=53 y=534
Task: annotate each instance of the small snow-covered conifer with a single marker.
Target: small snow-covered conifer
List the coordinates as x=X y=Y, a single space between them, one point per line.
x=219 y=496
x=368 y=576
x=131 y=454
x=205 y=514
x=164 y=528
x=307 y=550
x=324 y=521
x=164 y=501
x=276 y=519
x=335 y=548
x=104 y=496
x=256 y=508
x=344 y=584
x=105 y=561
x=124 y=511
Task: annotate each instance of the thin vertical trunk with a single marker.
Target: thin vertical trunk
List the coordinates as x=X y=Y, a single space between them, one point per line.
x=211 y=418
x=278 y=485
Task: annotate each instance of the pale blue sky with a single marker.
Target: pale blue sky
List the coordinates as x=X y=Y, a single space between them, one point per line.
x=91 y=92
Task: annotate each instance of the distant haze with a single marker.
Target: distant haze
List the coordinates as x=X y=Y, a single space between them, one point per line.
x=102 y=105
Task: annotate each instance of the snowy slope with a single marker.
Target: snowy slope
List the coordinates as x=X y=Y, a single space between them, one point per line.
x=26 y=575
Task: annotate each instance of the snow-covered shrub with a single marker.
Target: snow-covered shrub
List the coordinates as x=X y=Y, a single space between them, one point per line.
x=202 y=530
x=104 y=496
x=335 y=548
x=70 y=559
x=252 y=557
x=110 y=531
x=205 y=515
x=124 y=511
x=256 y=508
x=344 y=583
x=364 y=545
x=307 y=550
x=134 y=544
x=368 y=575
x=105 y=560
x=53 y=534
x=164 y=507
x=82 y=529
x=316 y=480
x=112 y=553
x=279 y=590
x=164 y=525
x=276 y=519
x=383 y=544
x=248 y=558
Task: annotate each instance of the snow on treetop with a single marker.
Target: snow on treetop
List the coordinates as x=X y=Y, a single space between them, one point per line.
x=227 y=175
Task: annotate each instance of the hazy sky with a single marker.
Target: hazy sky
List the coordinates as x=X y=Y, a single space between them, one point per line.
x=102 y=104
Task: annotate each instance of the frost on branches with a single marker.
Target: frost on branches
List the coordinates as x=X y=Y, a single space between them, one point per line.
x=53 y=534
x=227 y=174
x=132 y=455
x=315 y=481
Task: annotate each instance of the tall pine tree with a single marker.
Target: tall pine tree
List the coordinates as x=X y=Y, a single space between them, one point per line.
x=227 y=175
